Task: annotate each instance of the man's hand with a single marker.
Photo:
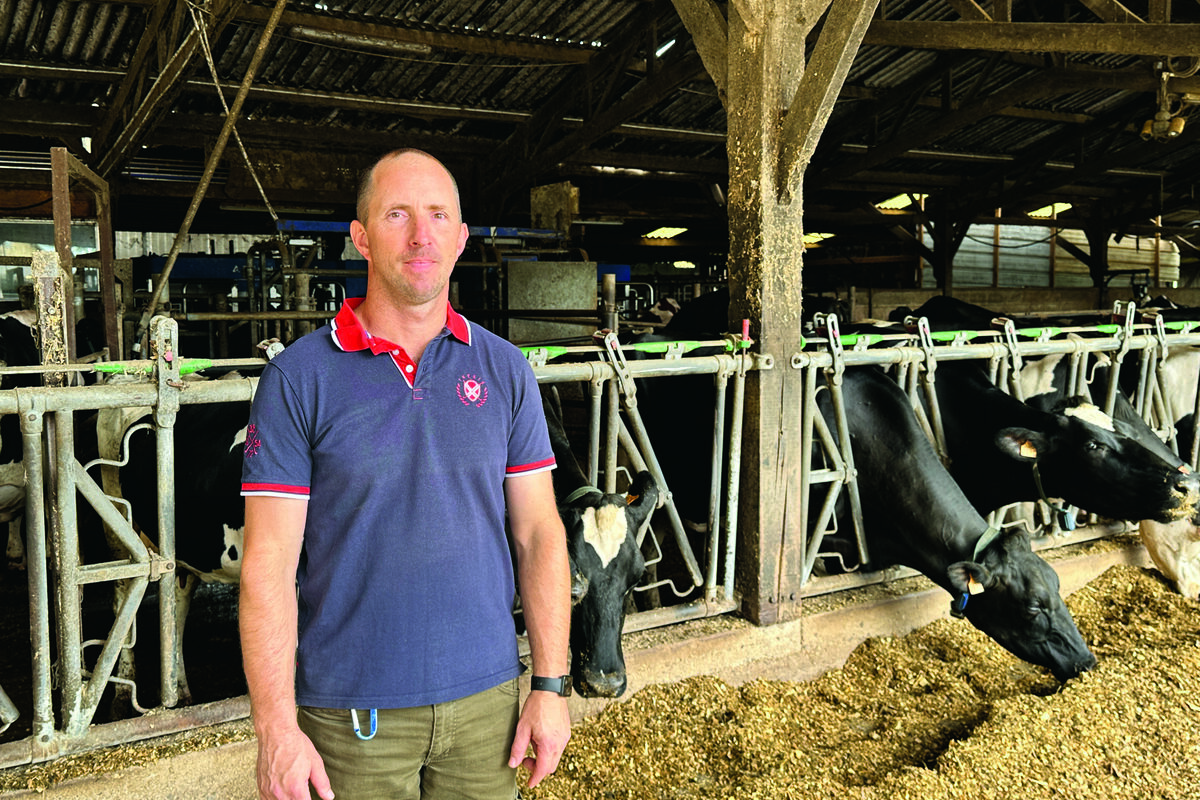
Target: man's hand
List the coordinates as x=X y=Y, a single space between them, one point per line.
x=287 y=764
x=545 y=724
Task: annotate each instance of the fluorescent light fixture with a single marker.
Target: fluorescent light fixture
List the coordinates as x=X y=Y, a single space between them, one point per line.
x=1045 y=212
x=659 y=52
x=663 y=233
x=683 y=265
x=900 y=201
x=816 y=238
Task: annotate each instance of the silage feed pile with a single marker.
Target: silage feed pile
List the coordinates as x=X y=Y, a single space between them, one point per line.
x=940 y=713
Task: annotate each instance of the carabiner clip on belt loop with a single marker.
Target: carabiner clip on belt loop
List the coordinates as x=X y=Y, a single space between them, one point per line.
x=358 y=729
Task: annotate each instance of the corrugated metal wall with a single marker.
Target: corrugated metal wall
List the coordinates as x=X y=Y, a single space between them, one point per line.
x=1024 y=258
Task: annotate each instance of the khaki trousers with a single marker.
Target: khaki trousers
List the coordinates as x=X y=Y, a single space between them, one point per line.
x=451 y=751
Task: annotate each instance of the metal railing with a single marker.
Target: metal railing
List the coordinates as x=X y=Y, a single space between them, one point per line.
x=615 y=428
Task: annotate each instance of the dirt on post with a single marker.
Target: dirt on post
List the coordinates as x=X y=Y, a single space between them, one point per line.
x=943 y=712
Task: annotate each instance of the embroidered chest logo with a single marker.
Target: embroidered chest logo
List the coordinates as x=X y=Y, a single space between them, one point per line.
x=472 y=390
x=253 y=443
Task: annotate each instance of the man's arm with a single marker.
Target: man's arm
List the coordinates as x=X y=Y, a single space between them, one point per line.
x=287 y=761
x=545 y=580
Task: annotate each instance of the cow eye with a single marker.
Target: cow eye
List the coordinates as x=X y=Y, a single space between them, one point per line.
x=1094 y=445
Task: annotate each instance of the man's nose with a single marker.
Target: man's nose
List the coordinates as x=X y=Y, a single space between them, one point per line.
x=422 y=231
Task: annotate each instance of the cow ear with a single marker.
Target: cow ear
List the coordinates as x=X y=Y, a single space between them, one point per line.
x=1022 y=444
x=968 y=577
x=643 y=491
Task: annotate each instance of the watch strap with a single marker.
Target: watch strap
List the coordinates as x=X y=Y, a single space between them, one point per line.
x=561 y=685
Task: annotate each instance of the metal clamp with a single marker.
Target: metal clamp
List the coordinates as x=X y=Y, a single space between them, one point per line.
x=837 y=368
x=616 y=357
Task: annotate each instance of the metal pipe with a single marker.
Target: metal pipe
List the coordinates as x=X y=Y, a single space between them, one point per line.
x=594 y=408
x=164 y=439
x=611 y=437
x=66 y=561
x=716 y=472
x=42 y=733
x=608 y=302
x=735 y=475
x=642 y=438
x=233 y=316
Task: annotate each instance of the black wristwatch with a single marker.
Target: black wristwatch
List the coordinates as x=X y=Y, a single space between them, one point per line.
x=561 y=685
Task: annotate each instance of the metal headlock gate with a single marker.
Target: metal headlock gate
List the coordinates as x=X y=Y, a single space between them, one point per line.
x=55 y=477
x=613 y=410
x=913 y=357
x=56 y=576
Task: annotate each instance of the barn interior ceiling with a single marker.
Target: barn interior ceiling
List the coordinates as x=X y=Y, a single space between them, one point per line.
x=989 y=107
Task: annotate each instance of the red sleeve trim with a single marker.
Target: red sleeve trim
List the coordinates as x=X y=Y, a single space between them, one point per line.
x=274 y=488
x=537 y=466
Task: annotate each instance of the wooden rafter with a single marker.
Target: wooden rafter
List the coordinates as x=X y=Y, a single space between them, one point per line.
x=710 y=33
x=1111 y=11
x=121 y=142
x=845 y=23
x=1049 y=37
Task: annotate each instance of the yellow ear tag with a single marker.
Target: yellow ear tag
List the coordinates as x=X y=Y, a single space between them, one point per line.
x=974 y=586
x=630 y=499
x=1028 y=450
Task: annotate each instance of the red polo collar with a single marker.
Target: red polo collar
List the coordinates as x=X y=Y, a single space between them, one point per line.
x=349 y=334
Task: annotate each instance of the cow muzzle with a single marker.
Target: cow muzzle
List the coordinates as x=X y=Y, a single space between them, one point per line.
x=594 y=683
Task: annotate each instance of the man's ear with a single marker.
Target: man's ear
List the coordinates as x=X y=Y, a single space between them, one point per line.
x=464 y=233
x=358 y=235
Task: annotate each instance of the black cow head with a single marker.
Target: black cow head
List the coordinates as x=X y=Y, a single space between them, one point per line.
x=1012 y=595
x=1096 y=463
x=602 y=540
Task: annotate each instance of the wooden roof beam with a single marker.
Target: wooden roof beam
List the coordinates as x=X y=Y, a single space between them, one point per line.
x=710 y=33
x=845 y=23
x=1111 y=11
x=1134 y=39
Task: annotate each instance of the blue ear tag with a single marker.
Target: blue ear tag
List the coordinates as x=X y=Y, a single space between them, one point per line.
x=1066 y=518
x=958 y=606
x=358 y=730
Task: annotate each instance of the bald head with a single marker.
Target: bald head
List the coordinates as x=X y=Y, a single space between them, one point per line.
x=366 y=184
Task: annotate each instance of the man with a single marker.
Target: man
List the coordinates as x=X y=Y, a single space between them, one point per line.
x=383 y=453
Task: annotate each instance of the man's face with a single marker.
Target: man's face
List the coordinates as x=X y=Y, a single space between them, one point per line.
x=412 y=235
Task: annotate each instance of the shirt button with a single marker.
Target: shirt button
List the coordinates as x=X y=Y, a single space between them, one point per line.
x=408 y=368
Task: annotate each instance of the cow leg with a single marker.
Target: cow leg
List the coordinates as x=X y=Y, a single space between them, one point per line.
x=185 y=590
x=15 y=551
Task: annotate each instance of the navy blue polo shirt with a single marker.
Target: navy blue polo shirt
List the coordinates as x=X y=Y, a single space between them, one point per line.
x=405 y=580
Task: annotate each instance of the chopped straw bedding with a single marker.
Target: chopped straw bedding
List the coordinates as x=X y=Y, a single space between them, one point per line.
x=940 y=713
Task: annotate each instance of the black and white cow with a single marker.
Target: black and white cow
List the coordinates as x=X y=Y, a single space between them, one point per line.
x=1171 y=538
x=1173 y=544
x=1001 y=448
x=915 y=514
x=603 y=534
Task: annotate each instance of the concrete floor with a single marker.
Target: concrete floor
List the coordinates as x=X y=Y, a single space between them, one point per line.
x=797 y=650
